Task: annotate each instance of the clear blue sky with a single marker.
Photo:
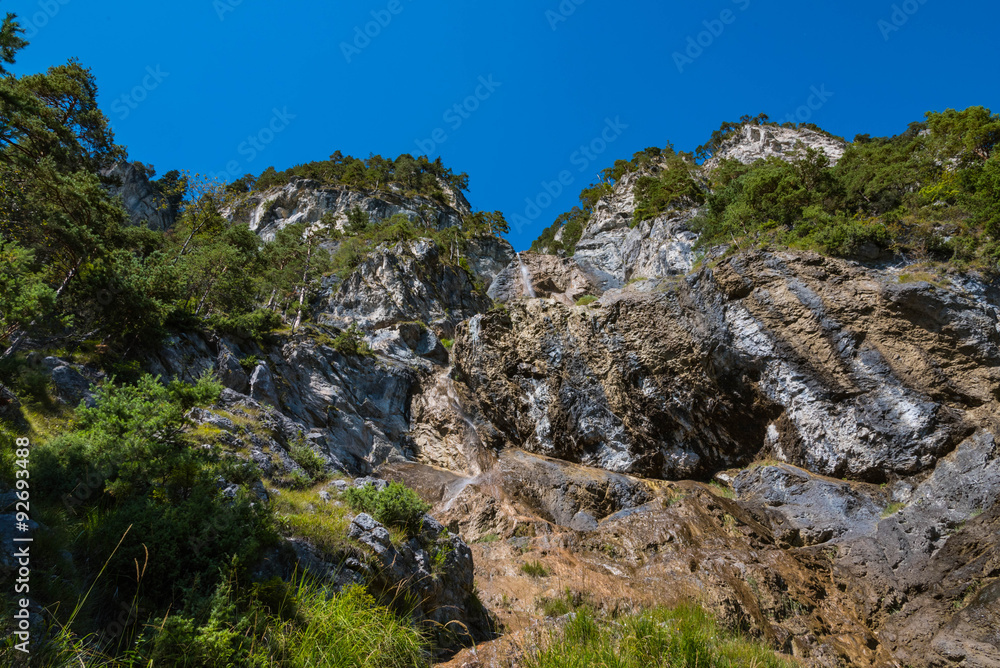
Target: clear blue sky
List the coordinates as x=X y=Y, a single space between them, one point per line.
x=224 y=66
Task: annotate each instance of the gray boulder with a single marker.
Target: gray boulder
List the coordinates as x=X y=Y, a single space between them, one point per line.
x=262 y=387
x=805 y=509
x=69 y=385
x=437 y=569
x=145 y=203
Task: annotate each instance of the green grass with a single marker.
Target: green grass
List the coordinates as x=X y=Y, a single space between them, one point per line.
x=348 y=629
x=267 y=625
x=302 y=513
x=719 y=489
x=488 y=538
x=685 y=636
x=569 y=601
x=534 y=569
x=892 y=509
x=925 y=276
x=586 y=300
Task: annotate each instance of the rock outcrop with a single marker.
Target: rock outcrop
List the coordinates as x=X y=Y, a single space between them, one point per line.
x=852 y=413
x=306 y=201
x=353 y=408
x=436 y=570
x=544 y=276
x=759 y=142
x=409 y=281
x=614 y=250
x=620 y=385
x=817 y=361
x=145 y=204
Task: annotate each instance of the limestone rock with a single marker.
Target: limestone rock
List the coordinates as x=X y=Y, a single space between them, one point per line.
x=806 y=509
x=759 y=142
x=262 y=386
x=548 y=276
x=143 y=201
x=410 y=281
x=69 y=385
x=231 y=372
x=443 y=587
x=763 y=353
x=305 y=201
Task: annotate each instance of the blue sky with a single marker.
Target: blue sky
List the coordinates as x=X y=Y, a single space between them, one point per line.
x=545 y=89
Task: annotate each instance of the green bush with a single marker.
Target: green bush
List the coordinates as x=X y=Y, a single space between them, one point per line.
x=249 y=363
x=654 y=195
x=204 y=392
x=301 y=625
x=351 y=341
x=307 y=458
x=357 y=221
x=836 y=234
x=349 y=254
x=395 y=505
x=128 y=468
x=256 y=325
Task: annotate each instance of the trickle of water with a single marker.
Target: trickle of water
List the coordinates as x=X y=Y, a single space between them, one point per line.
x=526 y=279
x=477 y=456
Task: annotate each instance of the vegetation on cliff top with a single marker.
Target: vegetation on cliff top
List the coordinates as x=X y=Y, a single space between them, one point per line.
x=74 y=268
x=411 y=176
x=932 y=192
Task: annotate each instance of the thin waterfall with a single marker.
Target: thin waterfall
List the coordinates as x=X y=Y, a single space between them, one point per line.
x=478 y=458
x=526 y=279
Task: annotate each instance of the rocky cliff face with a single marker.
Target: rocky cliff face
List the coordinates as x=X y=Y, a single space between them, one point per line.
x=759 y=142
x=406 y=282
x=143 y=201
x=846 y=415
x=613 y=252
x=812 y=360
x=614 y=249
x=305 y=201
x=542 y=276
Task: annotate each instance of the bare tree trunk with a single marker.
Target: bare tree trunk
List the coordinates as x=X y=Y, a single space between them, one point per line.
x=209 y=288
x=305 y=282
x=194 y=231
